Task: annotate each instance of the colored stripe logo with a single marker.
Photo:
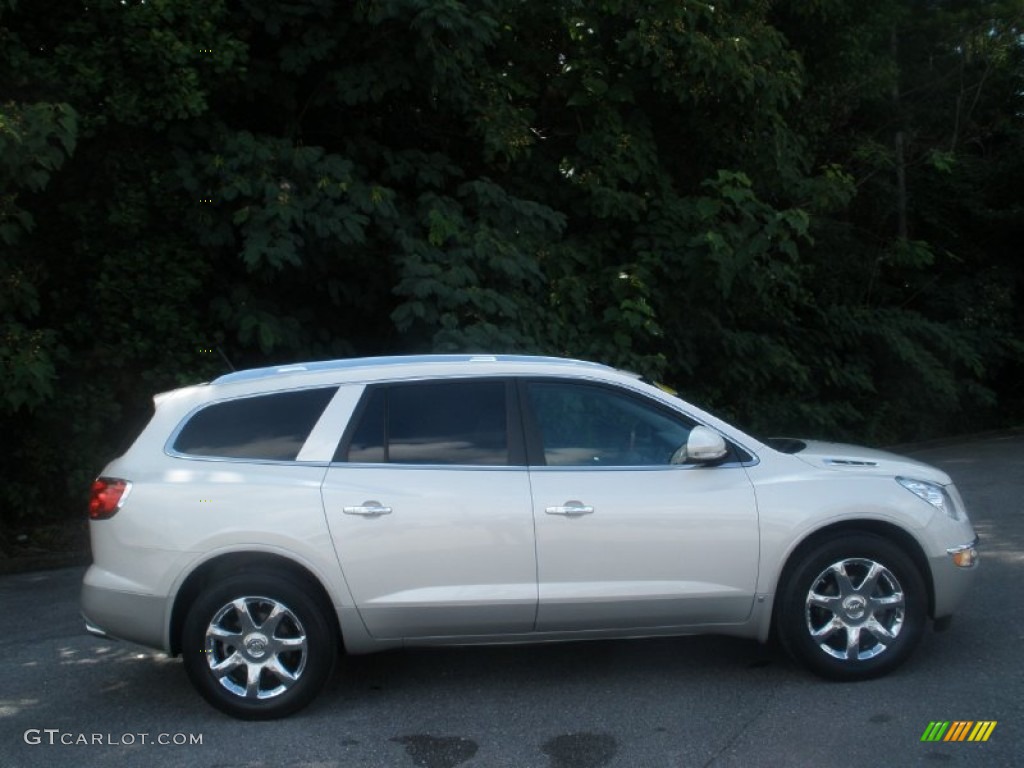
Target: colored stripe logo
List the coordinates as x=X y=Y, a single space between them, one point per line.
x=959 y=730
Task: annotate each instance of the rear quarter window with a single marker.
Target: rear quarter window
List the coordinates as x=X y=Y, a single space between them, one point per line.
x=268 y=427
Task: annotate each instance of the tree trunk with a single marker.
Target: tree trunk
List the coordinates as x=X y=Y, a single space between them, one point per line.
x=898 y=143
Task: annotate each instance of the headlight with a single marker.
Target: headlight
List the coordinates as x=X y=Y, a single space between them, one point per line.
x=933 y=493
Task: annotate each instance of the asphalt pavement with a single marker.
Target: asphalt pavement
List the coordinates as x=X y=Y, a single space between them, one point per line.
x=69 y=699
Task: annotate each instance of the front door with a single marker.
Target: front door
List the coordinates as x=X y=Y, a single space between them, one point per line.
x=625 y=538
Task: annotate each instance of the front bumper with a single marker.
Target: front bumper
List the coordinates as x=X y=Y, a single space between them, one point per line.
x=966 y=555
x=952 y=575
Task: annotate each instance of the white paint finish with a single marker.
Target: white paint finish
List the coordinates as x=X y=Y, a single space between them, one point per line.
x=455 y=556
x=665 y=547
x=665 y=550
x=184 y=509
x=323 y=440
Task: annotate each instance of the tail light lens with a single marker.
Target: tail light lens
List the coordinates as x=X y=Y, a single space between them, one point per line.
x=107 y=496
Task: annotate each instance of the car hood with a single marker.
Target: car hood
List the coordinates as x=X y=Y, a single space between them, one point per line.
x=855 y=458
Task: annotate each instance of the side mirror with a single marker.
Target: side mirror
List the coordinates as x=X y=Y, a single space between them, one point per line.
x=703 y=445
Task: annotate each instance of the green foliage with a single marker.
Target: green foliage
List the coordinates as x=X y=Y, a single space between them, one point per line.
x=706 y=193
x=35 y=141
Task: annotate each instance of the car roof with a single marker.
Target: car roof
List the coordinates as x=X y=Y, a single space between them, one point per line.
x=357 y=365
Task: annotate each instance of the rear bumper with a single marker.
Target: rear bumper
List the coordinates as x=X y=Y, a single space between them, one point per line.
x=92 y=629
x=110 y=611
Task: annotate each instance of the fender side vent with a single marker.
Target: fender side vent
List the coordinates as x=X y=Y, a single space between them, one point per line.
x=850 y=463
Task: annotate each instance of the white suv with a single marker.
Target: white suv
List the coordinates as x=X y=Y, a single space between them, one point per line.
x=264 y=521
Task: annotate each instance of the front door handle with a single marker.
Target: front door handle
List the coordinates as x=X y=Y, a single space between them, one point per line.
x=368 y=509
x=571 y=509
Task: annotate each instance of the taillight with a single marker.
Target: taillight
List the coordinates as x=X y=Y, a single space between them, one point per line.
x=106 y=497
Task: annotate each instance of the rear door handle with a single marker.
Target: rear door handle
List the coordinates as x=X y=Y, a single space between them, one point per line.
x=368 y=509
x=571 y=509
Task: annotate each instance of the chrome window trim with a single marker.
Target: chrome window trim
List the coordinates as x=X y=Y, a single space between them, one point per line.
x=459 y=467
x=539 y=467
x=234 y=460
x=636 y=467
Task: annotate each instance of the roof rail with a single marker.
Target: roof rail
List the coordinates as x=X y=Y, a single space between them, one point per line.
x=353 y=363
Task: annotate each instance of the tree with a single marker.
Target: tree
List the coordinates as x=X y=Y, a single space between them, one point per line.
x=707 y=193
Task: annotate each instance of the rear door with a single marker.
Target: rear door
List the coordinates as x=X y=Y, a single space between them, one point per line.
x=429 y=507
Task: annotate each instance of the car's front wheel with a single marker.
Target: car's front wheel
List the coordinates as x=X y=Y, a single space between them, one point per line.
x=852 y=608
x=258 y=646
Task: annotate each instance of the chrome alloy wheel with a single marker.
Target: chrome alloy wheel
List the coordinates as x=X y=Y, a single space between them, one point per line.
x=855 y=609
x=256 y=647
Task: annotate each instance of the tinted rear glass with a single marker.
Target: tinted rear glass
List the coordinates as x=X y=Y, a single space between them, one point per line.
x=271 y=426
x=367 y=444
x=451 y=422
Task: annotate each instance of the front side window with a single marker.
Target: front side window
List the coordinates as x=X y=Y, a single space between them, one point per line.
x=588 y=425
x=449 y=422
x=266 y=427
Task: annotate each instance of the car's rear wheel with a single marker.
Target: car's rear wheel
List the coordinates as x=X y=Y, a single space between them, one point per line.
x=258 y=646
x=853 y=607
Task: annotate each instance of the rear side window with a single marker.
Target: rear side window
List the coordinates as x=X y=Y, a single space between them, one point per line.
x=270 y=427
x=449 y=422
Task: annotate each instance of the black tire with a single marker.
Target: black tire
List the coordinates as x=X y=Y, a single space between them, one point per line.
x=272 y=639
x=869 y=622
